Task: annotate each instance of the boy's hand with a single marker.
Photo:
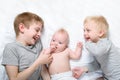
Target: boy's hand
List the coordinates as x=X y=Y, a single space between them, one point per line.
x=78 y=71
x=45 y=57
x=53 y=48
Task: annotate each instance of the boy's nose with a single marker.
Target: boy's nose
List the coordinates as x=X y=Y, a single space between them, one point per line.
x=85 y=33
x=39 y=34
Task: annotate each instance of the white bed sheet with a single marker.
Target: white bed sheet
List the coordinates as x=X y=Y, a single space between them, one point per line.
x=68 y=14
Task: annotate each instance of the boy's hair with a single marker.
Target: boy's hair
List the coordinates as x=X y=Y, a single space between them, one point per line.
x=100 y=22
x=26 y=18
x=63 y=31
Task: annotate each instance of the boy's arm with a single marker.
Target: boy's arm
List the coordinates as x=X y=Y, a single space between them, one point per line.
x=100 y=48
x=44 y=73
x=14 y=74
x=78 y=71
x=77 y=53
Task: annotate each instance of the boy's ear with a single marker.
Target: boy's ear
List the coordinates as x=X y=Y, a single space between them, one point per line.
x=21 y=27
x=101 y=33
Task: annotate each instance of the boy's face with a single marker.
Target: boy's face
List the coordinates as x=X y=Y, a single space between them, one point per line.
x=33 y=33
x=59 y=42
x=91 y=32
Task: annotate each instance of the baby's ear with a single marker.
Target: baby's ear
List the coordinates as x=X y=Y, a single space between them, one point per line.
x=101 y=33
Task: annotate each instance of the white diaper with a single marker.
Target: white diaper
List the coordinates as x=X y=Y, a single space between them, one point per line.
x=63 y=76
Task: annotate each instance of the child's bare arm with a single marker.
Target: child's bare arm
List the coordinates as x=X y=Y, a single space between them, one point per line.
x=78 y=51
x=44 y=73
x=14 y=74
x=78 y=71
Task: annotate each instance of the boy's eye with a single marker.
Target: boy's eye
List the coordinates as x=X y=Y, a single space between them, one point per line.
x=84 y=30
x=88 y=30
x=37 y=30
x=53 y=40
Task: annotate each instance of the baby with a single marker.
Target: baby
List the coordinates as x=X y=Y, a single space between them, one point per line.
x=60 y=66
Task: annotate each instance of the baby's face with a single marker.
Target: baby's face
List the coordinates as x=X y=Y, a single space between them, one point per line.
x=59 y=42
x=91 y=32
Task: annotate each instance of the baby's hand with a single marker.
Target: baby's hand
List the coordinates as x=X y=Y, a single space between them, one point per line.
x=79 y=45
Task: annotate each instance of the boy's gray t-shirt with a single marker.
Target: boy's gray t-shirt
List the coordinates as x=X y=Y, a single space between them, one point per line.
x=22 y=56
x=108 y=57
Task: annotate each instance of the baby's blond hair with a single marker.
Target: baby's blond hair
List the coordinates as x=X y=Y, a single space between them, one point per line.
x=101 y=23
x=63 y=31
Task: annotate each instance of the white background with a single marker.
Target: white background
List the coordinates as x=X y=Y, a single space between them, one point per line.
x=68 y=14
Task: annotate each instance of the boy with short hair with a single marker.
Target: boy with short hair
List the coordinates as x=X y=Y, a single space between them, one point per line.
x=98 y=44
x=23 y=58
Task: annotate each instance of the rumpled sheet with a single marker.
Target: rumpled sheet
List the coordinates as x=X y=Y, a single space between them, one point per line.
x=68 y=14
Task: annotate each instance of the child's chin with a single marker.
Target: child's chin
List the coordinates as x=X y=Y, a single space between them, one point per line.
x=87 y=39
x=32 y=43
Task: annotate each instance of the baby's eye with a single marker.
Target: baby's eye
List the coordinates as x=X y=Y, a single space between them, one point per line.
x=53 y=40
x=60 y=42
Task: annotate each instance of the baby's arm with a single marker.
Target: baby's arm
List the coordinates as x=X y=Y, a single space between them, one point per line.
x=78 y=51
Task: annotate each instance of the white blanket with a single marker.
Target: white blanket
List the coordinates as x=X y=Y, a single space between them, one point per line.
x=68 y=14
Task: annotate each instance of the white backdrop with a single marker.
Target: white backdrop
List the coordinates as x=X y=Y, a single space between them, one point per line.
x=68 y=14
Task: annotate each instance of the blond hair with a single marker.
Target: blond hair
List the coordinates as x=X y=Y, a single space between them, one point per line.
x=26 y=18
x=101 y=23
x=63 y=31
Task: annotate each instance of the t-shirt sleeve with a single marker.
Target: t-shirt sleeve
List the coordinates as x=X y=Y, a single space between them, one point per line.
x=100 y=48
x=10 y=56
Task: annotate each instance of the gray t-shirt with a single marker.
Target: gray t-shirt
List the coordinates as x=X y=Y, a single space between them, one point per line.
x=108 y=56
x=22 y=56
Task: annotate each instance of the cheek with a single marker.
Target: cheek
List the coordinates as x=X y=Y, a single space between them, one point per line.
x=91 y=33
x=85 y=35
x=64 y=46
x=51 y=43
